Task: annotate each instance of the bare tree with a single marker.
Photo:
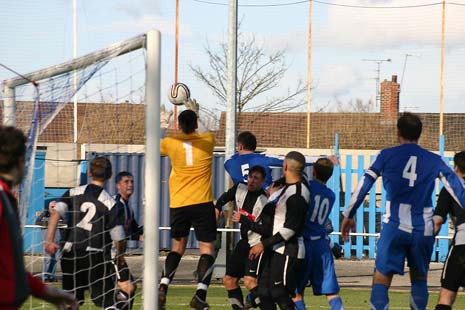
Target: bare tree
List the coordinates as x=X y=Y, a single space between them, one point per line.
x=258 y=72
x=358 y=106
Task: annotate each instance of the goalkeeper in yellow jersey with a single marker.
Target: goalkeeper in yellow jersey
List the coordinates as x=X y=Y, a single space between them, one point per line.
x=191 y=202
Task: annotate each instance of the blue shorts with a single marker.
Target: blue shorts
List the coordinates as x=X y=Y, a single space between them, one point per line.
x=318 y=267
x=395 y=245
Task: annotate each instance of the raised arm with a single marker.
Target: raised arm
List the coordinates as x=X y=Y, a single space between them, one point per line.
x=363 y=186
x=452 y=183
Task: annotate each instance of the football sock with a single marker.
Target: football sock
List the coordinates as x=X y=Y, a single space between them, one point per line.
x=379 y=299
x=443 y=307
x=419 y=295
x=204 y=274
x=336 y=303
x=255 y=296
x=171 y=264
x=236 y=299
x=299 y=305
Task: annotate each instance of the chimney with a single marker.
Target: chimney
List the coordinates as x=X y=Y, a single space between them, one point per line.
x=390 y=98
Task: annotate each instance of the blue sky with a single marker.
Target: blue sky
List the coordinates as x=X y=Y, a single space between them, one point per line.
x=36 y=34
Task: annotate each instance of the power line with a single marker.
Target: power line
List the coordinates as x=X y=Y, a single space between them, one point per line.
x=378 y=7
x=327 y=3
x=254 y=5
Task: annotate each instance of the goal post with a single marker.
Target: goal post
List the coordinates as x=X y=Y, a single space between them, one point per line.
x=152 y=170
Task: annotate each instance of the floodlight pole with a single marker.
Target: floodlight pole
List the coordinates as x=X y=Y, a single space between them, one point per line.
x=75 y=104
x=176 y=65
x=309 y=70
x=231 y=127
x=441 y=95
x=230 y=139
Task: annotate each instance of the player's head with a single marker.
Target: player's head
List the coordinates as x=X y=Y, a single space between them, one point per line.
x=100 y=169
x=294 y=163
x=246 y=141
x=187 y=121
x=124 y=184
x=323 y=169
x=256 y=178
x=409 y=126
x=459 y=163
x=12 y=153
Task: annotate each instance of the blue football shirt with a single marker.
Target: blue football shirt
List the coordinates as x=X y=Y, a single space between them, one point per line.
x=321 y=203
x=409 y=173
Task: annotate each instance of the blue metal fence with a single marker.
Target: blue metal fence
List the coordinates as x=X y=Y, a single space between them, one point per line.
x=342 y=183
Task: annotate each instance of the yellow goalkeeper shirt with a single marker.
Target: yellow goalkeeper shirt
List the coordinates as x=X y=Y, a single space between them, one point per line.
x=191 y=158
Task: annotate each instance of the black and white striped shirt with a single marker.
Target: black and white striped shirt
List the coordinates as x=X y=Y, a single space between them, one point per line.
x=289 y=220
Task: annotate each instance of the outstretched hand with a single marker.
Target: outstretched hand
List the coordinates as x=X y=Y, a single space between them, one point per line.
x=347 y=225
x=193 y=105
x=165 y=117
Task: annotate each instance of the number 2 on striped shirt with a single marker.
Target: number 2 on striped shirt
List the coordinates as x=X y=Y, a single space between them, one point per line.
x=188 y=150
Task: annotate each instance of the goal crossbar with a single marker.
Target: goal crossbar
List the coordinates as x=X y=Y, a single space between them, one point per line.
x=114 y=50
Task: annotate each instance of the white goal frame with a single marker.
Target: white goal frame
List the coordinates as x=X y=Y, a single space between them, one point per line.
x=151 y=41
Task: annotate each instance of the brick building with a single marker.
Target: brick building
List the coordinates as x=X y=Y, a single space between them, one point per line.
x=123 y=124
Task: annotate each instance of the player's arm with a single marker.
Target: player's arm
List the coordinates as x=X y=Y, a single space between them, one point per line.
x=295 y=217
x=296 y=209
x=57 y=209
x=443 y=207
x=116 y=228
x=136 y=229
x=363 y=186
x=452 y=183
x=263 y=227
x=164 y=146
x=226 y=197
x=274 y=161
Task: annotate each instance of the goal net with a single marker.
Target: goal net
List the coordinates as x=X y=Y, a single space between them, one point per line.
x=70 y=112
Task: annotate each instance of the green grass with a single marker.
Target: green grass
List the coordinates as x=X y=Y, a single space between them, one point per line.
x=180 y=296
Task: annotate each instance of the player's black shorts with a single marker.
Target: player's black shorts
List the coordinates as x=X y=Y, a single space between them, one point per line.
x=89 y=270
x=280 y=271
x=453 y=273
x=200 y=216
x=239 y=264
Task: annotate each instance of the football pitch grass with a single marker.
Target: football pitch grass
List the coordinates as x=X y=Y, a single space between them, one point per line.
x=180 y=296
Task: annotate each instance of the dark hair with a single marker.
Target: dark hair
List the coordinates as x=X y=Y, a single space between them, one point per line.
x=258 y=169
x=299 y=158
x=12 y=147
x=187 y=121
x=121 y=175
x=248 y=140
x=459 y=161
x=100 y=168
x=409 y=126
x=323 y=169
